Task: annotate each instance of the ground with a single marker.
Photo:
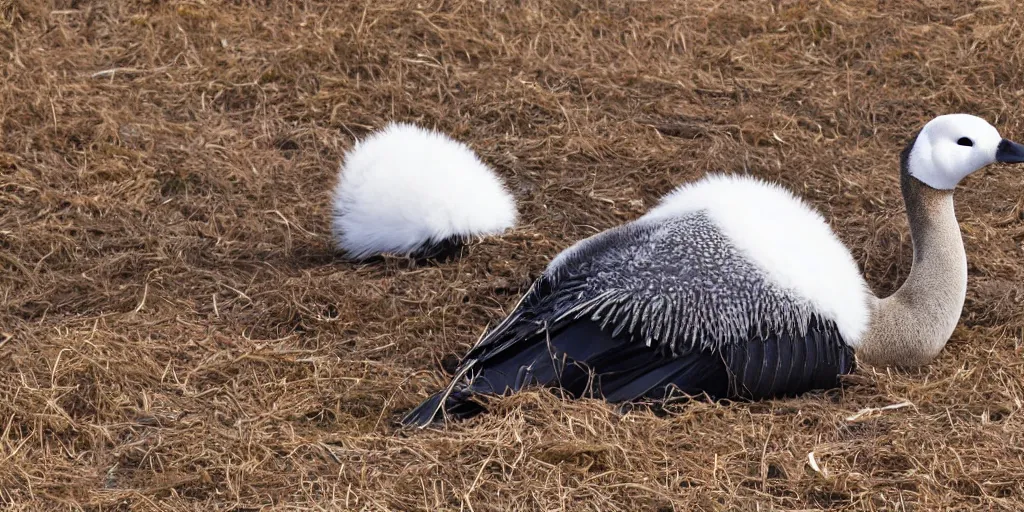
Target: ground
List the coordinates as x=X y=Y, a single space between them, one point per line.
x=177 y=333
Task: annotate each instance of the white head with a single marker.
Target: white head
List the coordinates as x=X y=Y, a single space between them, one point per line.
x=952 y=146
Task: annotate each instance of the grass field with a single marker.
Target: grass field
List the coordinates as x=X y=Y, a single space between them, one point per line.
x=176 y=333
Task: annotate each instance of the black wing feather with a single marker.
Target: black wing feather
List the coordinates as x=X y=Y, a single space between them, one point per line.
x=583 y=327
x=783 y=354
x=584 y=360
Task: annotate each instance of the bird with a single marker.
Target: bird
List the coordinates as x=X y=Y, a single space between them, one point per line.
x=732 y=288
x=410 y=191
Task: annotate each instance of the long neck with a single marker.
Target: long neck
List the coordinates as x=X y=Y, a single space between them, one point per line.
x=911 y=326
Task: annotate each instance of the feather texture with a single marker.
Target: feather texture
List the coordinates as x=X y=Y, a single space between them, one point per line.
x=674 y=283
x=410 y=191
x=659 y=304
x=584 y=360
x=784 y=238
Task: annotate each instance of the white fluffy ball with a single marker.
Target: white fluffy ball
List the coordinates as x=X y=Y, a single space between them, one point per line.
x=406 y=190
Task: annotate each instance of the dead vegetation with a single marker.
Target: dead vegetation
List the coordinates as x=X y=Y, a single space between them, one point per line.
x=176 y=334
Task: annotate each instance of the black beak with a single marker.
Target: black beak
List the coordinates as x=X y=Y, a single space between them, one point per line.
x=1009 y=152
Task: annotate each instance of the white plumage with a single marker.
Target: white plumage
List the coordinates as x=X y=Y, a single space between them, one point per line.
x=405 y=188
x=786 y=238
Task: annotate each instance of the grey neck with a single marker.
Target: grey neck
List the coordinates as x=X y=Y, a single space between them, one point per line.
x=910 y=327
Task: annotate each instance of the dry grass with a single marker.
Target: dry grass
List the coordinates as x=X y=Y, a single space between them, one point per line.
x=176 y=334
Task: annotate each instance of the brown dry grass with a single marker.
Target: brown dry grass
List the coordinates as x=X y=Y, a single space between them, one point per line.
x=177 y=336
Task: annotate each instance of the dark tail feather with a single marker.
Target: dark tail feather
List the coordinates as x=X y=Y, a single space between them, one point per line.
x=505 y=373
x=425 y=412
x=457 y=406
x=530 y=362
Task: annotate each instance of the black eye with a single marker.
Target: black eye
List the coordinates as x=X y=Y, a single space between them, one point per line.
x=964 y=141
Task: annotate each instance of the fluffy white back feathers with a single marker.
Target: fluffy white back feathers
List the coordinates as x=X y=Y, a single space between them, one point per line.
x=786 y=238
x=406 y=190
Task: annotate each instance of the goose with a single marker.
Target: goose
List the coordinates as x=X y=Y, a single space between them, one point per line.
x=732 y=288
x=409 y=191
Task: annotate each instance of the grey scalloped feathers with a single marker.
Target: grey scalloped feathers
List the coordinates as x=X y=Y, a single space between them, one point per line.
x=409 y=191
